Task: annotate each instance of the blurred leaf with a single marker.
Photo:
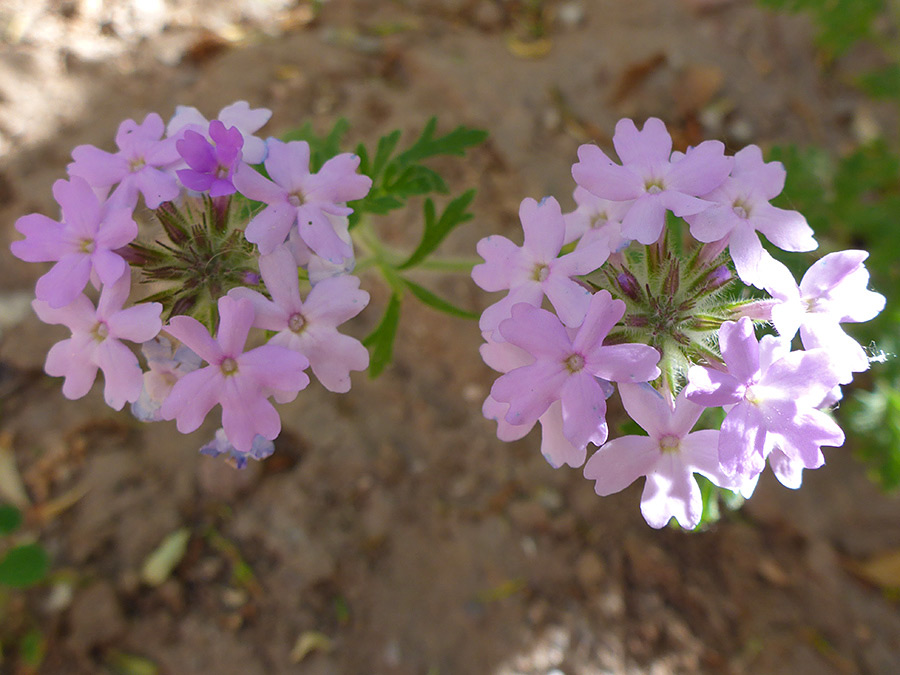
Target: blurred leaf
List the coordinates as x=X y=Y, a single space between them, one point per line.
x=840 y=23
x=33 y=648
x=24 y=565
x=321 y=148
x=381 y=340
x=160 y=564
x=454 y=143
x=436 y=229
x=883 y=570
x=875 y=416
x=882 y=83
x=504 y=590
x=122 y=663
x=10 y=518
x=437 y=302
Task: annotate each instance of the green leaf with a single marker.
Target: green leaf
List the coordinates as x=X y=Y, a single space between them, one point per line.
x=436 y=229
x=24 y=565
x=454 y=143
x=841 y=23
x=437 y=302
x=33 y=648
x=381 y=340
x=10 y=518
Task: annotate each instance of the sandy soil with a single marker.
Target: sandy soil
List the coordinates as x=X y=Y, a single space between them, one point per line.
x=392 y=521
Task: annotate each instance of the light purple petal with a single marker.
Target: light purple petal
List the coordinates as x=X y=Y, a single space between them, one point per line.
x=267 y=315
x=98 y=167
x=788 y=230
x=79 y=316
x=529 y=293
x=288 y=163
x=254 y=185
x=235 y=321
x=538 y=332
x=645 y=219
x=139 y=323
x=712 y=388
x=121 y=373
x=109 y=266
x=701 y=171
x=194 y=335
x=620 y=462
x=648 y=408
x=337 y=181
x=45 y=239
x=335 y=300
x=503 y=356
x=789 y=472
x=501 y=258
x=193 y=396
x=65 y=280
x=555 y=447
x=830 y=271
x=72 y=359
x=332 y=356
x=280 y=274
x=583 y=410
x=544 y=227
x=742 y=441
x=624 y=363
x=802 y=376
x=652 y=143
x=496 y=412
x=597 y=174
x=529 y=390
x=271 y=226
x=318 y=232
x=603 y=313
x=747 y=254
x=274 y=367
x=740 y=349
x=569 y=298
x=671 y=492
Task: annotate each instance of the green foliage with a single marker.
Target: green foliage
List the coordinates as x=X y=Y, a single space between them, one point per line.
x=381 y=340
x=10 y=518
x=882 y=82
x=24 y=565
x=714 y=500
x=437 y=302
x=321 y=148
x=853 y=202
x=840 y=23
x=437 y=229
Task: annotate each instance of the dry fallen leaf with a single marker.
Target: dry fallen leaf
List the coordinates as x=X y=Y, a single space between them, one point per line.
x=309 y=642
x=635 y=75
x=883 y=570
x=160 y=564
x=529 y=49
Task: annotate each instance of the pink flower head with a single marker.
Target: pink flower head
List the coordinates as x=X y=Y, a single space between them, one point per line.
x=211 y=166
x=139 y=166
x=297 y=197
x=774 y=394
x=96 y=342
x=566 y=368
x=310 y=327
x=650 y=177
x=833 y=291
x=533 y=270
x=741 y=209
x=84 y=242
x=239 y=115
x=239 y=381
x=596 y=219
x=555 y=447
x=669 y=456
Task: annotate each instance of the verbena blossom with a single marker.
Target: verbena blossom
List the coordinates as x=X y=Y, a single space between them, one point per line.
x=84 y=243
x=596 y=219
x=648 y=176
x=555 y=447
x=566 y=369
x=96 y=343
x=238 y=115
x=741 y=208
x=309 y=326
x=139 y=167
x=775 y=398
x=241 y=382
x=533 y=270
x=211 y=166
x=833 y=291
x=668 y=456
x=296 y=197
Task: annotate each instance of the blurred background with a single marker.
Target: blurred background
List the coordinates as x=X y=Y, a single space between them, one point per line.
x=392 y=532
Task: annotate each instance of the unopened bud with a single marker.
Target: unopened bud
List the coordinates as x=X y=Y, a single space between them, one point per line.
x=718 y=277
x=629 y=285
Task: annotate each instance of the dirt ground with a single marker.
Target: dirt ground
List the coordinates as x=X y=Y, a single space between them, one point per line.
x=392 y=529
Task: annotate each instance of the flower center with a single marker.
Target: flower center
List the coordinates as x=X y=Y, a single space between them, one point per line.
x=741 y=209
x=654 y=186
x=100 y=332
x=296 y=323
x=599 y=220
x=541 y=272
x=221 y=171
x=229 y=366
x=297 y=198
x=87 y=246
x=752 y=396
x=136 y=164
x=669 y=443
x=574 y=363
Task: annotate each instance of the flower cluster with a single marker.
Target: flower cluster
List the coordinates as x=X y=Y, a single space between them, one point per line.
x=200 y=285
x=644 y=296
